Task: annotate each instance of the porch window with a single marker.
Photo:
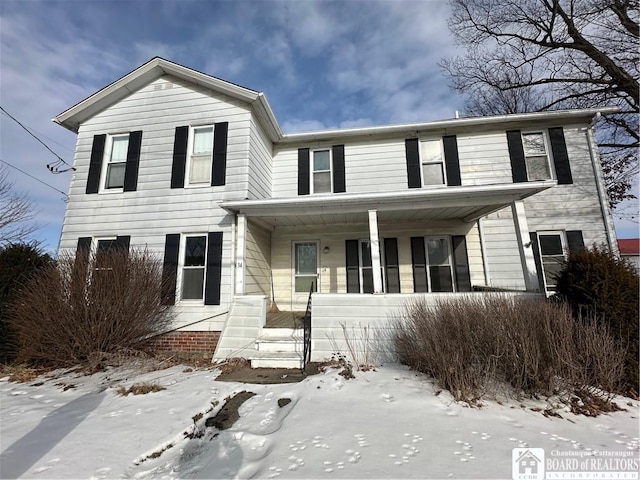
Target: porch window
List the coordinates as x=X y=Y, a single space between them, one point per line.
x=193 y=267
x=552 y=247
x=439 y=261
x=305 y=266
x=366 y=270
x=432 y=264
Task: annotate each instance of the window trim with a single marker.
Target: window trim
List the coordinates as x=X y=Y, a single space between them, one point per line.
x=565 y=248
x=548 y=152
x=190 y=139
x=106 y=157
x=181 y=267
x=312 y=152
x=442 y=162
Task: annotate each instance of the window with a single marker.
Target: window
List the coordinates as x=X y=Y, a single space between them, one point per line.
x=200 y=155
x=536 y=156
x=439 y=264
x=305 y=266
x=366 y=268
x=116 y=161
x=193 y=267
x=321 y=171
x=432 y=162
x=552 y=247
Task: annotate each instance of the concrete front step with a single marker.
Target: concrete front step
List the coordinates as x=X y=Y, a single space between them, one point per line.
x=262 y=359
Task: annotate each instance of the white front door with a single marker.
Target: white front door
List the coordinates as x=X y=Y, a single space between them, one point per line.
x=305 y=272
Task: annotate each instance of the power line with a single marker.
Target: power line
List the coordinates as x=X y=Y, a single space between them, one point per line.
x=66 y=197
x=53 y=167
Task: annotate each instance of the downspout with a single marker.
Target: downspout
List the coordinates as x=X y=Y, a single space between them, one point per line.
x=602 y=195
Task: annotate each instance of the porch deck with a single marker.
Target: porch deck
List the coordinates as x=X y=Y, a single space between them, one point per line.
x=292 y=319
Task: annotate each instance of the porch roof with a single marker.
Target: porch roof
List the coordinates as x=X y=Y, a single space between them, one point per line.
x=463 y=203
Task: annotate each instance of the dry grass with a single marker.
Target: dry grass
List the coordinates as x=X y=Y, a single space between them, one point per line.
x=478 y=346
x=139 y=389
x=231 y=365
x=21 y=373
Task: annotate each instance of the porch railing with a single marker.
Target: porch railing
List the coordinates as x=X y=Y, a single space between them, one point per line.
x=306 y=321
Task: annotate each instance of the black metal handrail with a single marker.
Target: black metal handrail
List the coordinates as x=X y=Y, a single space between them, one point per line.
x=306 y=356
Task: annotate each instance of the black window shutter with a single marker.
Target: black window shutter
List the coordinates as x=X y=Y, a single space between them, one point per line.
x=413 y=162
x=516 y=154
x=560 y=156
x=533 y=236
x=81 y=266
x=451 y=160
x=419 y=262
x=339 y=184
x=461 y=263
x=575 y=242
x=170 y=268
x=179 y=157
x=392 y=269
x=214 y=269
x=133 y=161
x=122 y=242
x=219 y=168
x=353 y=267
x=303 y=171
x=95 y=165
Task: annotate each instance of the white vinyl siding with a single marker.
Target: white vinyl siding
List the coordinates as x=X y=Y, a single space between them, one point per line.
x=155 y=209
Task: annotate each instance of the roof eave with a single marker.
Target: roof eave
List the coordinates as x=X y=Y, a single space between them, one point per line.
x=555 y=115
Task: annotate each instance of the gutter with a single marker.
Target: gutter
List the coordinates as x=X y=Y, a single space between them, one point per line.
x=599 y=178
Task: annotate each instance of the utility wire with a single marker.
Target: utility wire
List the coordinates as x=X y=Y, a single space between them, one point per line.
x=66 y=197
x=53 y=167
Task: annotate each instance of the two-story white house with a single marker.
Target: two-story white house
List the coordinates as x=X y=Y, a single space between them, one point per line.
x=249 y=219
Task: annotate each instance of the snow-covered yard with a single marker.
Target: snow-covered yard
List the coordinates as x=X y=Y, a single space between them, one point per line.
x=389 y=423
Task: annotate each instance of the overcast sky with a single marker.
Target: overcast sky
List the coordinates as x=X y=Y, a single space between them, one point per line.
x=321 y=65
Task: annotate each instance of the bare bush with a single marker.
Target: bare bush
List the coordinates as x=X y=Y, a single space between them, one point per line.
x=89 y=304
x=474 y=346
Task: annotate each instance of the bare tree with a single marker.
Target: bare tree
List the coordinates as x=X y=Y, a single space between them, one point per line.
x=16 y=212
x=535 y=55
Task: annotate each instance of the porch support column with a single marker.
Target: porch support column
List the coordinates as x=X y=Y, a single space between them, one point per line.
x=240 y=248
x=524 y=247
x=374 y=241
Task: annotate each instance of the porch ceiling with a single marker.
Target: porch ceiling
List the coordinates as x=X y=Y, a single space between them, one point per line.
x=464 y=203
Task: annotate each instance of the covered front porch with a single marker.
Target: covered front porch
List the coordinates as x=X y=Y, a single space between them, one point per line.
x=417 y=241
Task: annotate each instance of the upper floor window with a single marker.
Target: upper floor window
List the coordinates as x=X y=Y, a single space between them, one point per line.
x=536 y=156
x=200 y=155
x=321 y=171
x=115 y=161
x=432 y=162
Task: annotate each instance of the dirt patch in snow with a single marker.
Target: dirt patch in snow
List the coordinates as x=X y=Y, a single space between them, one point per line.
x=228 y=414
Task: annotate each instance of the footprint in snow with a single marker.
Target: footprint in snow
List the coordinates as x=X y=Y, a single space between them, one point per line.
x=387 y=397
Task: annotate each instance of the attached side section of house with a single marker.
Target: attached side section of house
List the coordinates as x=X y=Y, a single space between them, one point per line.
x=197 y=170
